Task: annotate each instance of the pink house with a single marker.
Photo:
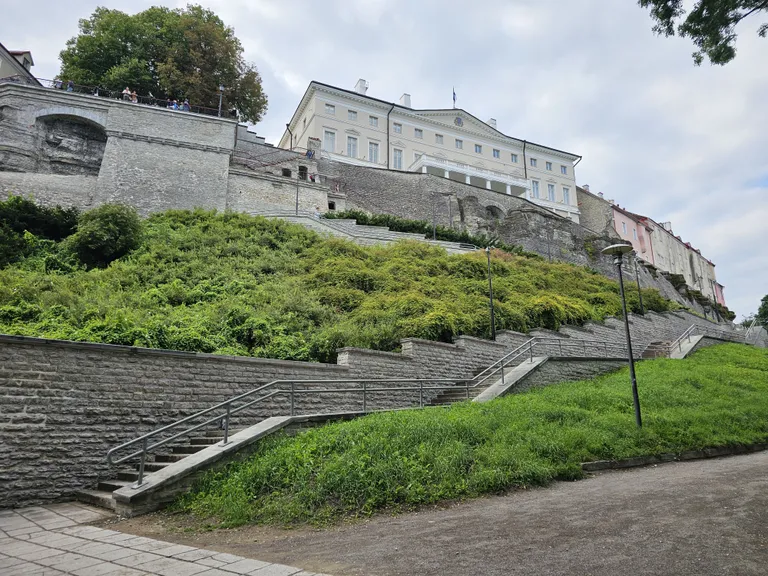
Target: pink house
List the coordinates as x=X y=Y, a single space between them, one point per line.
x=631 y=228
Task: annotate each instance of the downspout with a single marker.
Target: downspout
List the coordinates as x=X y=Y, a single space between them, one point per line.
x=388 y=151
x=288 y=127
x=525 y=161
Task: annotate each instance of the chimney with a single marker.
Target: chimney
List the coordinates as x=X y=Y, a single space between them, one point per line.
x=361 y=87
x=405 y=100
x=667 y=226
x=586 y=187
x=492 y=123
x=610 y=201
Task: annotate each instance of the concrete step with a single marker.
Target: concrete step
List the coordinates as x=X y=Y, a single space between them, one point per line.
x=112 y=485
x=207 y=440
x=190 y=449
x=98 y=498
x=128 y=475
x=169 y=457
x=153 y=466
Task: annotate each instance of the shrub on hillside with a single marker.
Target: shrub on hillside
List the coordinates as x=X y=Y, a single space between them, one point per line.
x=105 y=234
x=19 y=216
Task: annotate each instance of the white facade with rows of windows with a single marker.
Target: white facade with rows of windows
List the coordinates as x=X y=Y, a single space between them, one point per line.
x=354 y=128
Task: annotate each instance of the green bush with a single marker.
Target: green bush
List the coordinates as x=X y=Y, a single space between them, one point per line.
x=237 y=284
x=105 y=234
x=19 y=216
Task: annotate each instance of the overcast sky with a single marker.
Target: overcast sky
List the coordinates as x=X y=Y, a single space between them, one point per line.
x=659 y=135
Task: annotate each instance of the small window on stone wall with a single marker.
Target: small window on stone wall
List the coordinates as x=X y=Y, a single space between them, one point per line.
x=302 y=172
x=287 y=172
x=331 y=205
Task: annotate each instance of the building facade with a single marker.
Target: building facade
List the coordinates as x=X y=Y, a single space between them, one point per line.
x=654 y=243
x=351 y=127
x=16 y=65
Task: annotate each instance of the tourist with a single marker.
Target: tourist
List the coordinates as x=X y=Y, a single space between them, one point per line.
x=70 y=86
x=185 y=107
x=134 y=97
x=175 y=105
x=317 y=212
x=127 y=94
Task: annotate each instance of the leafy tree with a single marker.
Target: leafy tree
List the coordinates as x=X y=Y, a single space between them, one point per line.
x=182 y=53
x=710 y=24
x=762 y=312
x=105 y=234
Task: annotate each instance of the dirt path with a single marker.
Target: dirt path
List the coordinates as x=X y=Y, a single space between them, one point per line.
x=705 y=518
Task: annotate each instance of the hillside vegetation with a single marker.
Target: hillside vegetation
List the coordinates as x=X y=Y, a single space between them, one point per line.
x=243 y=285
x=399 y=460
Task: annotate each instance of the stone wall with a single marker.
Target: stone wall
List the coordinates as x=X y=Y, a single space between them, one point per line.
x=251 y=192
x=64 y=404
x=568 y=370
x=51 y=189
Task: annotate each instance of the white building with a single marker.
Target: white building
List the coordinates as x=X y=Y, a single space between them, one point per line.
x=349 y=126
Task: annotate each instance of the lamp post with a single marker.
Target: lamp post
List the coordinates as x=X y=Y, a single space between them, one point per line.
x=490 y=293
x=221 y=96
x=618 y=251
x=639 y=293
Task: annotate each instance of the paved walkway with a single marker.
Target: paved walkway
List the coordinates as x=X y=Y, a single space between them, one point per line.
x=53 y=540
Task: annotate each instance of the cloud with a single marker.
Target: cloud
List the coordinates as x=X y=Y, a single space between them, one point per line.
x=658 y=134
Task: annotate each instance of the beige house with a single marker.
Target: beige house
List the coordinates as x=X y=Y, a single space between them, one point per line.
x=350 y=126
x=16 y=66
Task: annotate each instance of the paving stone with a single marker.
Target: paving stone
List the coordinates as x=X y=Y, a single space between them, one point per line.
x=172 y=567
x=137 y=559
x=245 y=566
x=173 y=550
x=69 y=561
x=275 y=570
x=211 y=562
x=227 y=558
x=195 y=554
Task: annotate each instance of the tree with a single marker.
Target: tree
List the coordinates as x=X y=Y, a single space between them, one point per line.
x=762 y=312
x=710 y=24
x=182 y=53
x=105 y=234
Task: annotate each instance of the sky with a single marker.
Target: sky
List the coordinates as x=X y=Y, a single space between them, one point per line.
x=660 y=136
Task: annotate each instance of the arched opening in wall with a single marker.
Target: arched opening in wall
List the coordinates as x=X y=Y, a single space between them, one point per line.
x=69 y=145
x=287 y=172
x=331 y=205
x=302 y=172
x=494 y=213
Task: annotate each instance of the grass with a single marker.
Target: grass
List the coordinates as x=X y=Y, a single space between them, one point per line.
x=248 y=286
x=401 y=460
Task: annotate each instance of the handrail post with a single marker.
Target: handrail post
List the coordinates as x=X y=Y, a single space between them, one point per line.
x=141 y=464
x=365 y=396
x=226 y=424
x=293 y=402
x=530 y=348
x=502 y=372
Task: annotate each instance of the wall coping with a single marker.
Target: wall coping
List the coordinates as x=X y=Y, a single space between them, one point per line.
x=137 y=350
x=368 y=352
x=425 y=342
x=475 y=339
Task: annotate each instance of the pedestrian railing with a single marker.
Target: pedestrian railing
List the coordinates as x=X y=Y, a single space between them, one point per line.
x=423 y=389
x=96 y=91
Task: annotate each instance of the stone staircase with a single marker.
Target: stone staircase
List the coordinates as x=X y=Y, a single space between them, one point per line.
x=102 y=496
x=358 y=233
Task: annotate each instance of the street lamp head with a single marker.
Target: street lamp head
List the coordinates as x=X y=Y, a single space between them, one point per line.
x=487 y=249
x=221 y=87
x=617 y=249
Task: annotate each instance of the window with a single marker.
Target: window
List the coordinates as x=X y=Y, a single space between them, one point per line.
x=397 y=159
x=624 y=227
x=478 y=149
x=373 y=152
x=329 y=141
x=459 y=144
x=302 y=172
x=418 y=133
x=534 y=188
x=287 y=172
x=496 y=153
x=534 y=162
x=397 y=128
x=514 y=158
x=373 y=121
x=351 y=146
x=330 y=109
x=551 y=192
x=634 y=233
x=549 y=166
x=331 y=205
x=352 y=115
x=438 y=138
x=566 y=195
x=564 y=170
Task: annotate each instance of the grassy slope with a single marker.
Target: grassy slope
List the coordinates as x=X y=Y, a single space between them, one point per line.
x=242 y=285
x=719 y=396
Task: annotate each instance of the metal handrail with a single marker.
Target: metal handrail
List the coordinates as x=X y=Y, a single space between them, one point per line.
x=704 y=331
x=363 y=386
